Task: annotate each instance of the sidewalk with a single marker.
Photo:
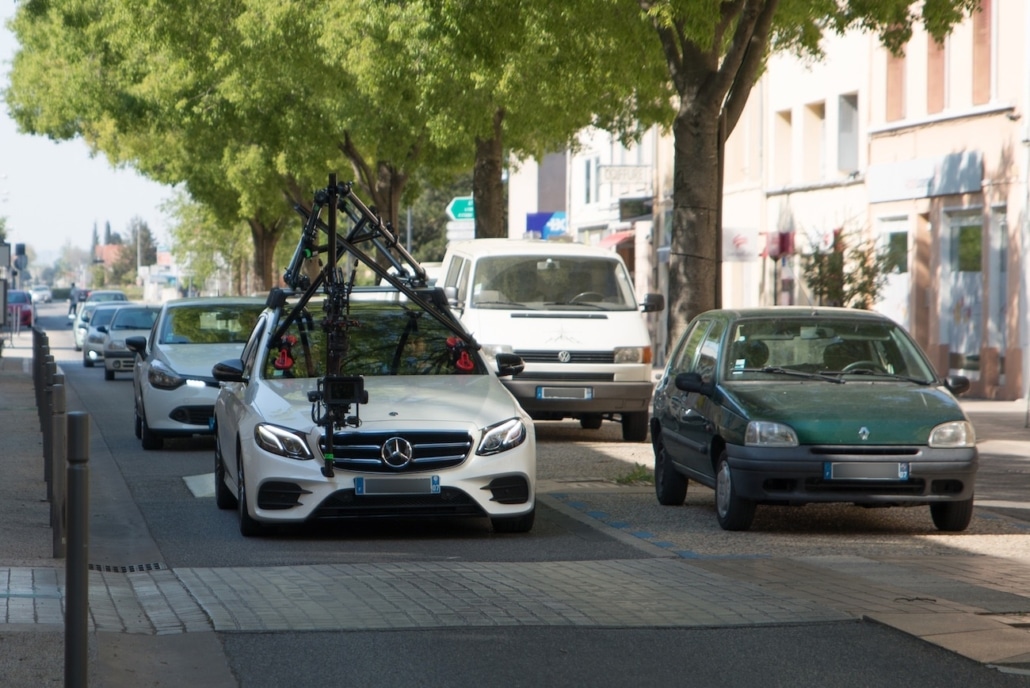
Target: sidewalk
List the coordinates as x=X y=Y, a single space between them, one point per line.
x=975 y=605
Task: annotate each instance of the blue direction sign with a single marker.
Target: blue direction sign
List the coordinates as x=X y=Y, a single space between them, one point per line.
x=461 y=208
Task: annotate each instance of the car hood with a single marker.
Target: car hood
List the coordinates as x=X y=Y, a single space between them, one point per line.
x=196 y=360
x=443 y=402
x=827 y=413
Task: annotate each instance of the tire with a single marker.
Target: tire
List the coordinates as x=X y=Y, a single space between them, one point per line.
x=670 y=486
x=249 y=527
x=591 y=421
x=733 y=512
x=87 y=362
x=148 y=437
x=952 y=517
x=517 y=524
x=224 y=498
x=634 y=426
x=108 y=374
x=137 y=425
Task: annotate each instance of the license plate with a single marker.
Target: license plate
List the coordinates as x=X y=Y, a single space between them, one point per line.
x=578 y=393
x=394 y=486
x=853 y=470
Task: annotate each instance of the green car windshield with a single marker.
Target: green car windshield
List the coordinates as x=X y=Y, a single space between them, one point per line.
x=758 y=348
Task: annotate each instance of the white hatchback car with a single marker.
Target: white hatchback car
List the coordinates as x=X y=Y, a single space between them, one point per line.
x=428 y=428
x=172 y=385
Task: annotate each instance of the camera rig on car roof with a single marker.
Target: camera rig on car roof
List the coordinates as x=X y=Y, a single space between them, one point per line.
x=337 y=391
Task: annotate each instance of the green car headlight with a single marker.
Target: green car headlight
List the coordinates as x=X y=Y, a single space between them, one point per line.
x=763 y=433
x=281 y=441
x=956 y=433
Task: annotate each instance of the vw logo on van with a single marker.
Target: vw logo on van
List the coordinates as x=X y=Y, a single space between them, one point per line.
x=564 y=356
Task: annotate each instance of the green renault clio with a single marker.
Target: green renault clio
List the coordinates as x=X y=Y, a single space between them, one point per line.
x=789 y=406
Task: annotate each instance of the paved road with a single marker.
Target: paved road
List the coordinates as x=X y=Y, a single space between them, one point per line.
x=904 y=606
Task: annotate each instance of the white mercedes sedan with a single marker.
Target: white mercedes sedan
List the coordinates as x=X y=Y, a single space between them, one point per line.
x=413 y=422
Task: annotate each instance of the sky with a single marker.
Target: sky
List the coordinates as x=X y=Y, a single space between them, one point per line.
x=53 y=194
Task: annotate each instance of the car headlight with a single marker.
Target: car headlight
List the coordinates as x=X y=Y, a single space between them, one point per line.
x=502 y=437
x=281 y=441
x=632 y=354
x=763 y=433
x=115 y=345
x=163 y=377
x=956 y=433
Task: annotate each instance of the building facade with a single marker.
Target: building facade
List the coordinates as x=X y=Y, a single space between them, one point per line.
x=925 y=154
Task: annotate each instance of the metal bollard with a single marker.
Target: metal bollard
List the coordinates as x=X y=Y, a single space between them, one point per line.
x=59 y=462
x=48 y=450
x=76 y=617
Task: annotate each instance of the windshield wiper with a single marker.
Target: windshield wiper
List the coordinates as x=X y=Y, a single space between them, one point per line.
x=883 y=373
x=776 y=370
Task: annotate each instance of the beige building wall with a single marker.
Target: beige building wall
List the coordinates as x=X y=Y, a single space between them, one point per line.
x=937 y=165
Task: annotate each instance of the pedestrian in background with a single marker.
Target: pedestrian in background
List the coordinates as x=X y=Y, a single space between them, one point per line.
x=73 y=301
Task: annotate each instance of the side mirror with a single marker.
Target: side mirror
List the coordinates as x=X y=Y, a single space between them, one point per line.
x=228 y=371
x=102 y=328
x=509 y=364
x=956 y=384
x=452 y=296
x=692 y=382
x=653 y=303
x=136 y=344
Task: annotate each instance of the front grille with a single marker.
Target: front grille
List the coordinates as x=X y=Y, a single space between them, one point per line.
x=865 y=450
x=576 y=356
x=431 y=451
x=862 y=487
x=563 y=377
x=193 y=415
x=345 y=504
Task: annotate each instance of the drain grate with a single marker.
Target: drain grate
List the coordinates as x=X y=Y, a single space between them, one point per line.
x=131 y=568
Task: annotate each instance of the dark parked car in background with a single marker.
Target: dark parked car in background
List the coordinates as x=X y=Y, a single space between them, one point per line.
x=791 y=405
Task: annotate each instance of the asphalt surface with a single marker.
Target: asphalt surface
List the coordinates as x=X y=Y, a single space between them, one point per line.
x=795 y=612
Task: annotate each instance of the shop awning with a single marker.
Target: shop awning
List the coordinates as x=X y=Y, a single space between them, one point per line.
x=618 y=238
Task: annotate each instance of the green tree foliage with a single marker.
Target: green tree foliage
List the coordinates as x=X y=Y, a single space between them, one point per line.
x=138 y=251
x=851 y=272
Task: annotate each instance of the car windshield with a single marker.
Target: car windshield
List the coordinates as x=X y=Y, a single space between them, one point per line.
x=134 y=318
x=101 y=316
x=543 y=283
x=384 y=338
x=18 y=297
x=762 y=347
x=208 y=324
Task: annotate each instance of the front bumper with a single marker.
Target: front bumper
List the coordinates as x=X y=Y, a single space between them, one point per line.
x=800 y=475
x=542 y=397
x=283 y=490
x=118 y=361
x=185 y=410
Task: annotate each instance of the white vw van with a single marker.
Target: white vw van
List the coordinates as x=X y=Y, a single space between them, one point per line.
x=570 y=312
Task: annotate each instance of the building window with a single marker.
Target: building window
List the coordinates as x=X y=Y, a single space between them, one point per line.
x=591 y=180
x=934 y=76
x=782 y=152
x=815 y=136
x=895 y=87
x=897 y=252
x=982 y=53
x=967 y=245
x=847 y=133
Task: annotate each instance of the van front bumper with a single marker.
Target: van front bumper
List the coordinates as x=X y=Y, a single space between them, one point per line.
x=575 y=398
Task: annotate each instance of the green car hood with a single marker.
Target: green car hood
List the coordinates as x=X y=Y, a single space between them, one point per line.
x=828 y=413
